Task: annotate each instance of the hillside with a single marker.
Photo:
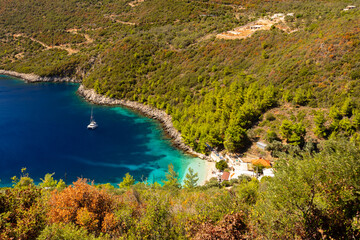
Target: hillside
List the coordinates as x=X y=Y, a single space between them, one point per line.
x=166 y=54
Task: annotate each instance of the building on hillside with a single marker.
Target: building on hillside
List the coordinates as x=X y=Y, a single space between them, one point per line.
x=349 y=7
x=256 y=27
x=278 y=16
x=268 y=172
x=225 y=176
x=261 y=145
x=237 y=174
x=233 y=160
x=261 y=162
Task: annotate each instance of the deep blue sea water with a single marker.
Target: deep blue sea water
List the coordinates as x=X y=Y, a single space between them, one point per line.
x=43 y=128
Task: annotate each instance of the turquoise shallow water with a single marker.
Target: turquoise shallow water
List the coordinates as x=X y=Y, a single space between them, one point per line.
x=43 y=128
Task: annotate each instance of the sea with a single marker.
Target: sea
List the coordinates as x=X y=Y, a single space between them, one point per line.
x=43 y=128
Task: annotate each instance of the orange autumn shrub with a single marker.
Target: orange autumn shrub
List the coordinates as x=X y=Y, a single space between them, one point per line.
x=83 y=205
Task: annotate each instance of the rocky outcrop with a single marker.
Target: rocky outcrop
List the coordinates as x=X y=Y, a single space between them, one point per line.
x=35 y=78
x=161 y=116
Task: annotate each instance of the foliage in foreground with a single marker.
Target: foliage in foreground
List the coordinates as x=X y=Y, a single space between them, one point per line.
x=312 y=196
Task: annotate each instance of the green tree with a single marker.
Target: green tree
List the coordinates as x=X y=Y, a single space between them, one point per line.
x=128 y=181
x=221 y=165
x=271 y=136
x=172 y=178
x=335 y=113
x=48 y=181
x=191 y=179
x=298 y=135
x=347 y=107
x=293 y=133
x=320 y=129
x=235 y=138
x=24 y=182
x=286 y=129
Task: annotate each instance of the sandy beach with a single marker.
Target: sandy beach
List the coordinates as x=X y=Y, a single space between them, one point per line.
x=209 y=166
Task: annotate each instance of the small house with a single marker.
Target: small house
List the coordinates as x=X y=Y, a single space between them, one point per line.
x=261 y=162
x=225 y=176
x=269 y=172
x=256 y=27
x=261 y=145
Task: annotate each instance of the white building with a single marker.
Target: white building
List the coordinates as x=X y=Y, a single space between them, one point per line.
x=256 y=27
x=261 y=145
x=267 y=172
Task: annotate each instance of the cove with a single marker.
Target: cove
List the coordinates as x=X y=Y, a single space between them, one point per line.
x=43 y=128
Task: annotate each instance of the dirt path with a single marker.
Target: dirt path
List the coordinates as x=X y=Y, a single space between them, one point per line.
x=62 y=47
x=135 y=3
x=277 y=20
x=65 y=47
x=86 y=36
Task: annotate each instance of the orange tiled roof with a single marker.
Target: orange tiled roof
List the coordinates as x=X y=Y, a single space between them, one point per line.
x=260 y=161
x=225 y=176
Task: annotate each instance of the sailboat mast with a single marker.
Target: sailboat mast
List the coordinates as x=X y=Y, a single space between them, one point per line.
x=91 y=117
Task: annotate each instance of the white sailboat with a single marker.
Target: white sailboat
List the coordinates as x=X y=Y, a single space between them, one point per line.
x=92 y=124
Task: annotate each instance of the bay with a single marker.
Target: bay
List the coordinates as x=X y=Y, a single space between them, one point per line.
x=43 y=128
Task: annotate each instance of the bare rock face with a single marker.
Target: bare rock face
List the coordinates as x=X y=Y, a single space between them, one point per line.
x=165 y=119
x=35 y=78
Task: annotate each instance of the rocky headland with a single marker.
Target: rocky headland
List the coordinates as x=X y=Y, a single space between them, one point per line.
x=30 y=77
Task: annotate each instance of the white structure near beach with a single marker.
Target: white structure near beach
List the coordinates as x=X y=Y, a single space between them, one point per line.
x=215 y=157
x=267 y=172
x=241 y=169
x=233 y=160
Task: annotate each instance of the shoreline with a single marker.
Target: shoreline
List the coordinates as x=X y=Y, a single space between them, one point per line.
x=151 y=112
x=33 y=78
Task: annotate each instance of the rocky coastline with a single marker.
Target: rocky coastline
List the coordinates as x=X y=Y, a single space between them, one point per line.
x=165 y=119
x=30 y=77
x=91 y=96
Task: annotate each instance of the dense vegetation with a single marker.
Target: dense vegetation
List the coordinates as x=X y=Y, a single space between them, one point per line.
x=165 y=54
x=297 y=91
x=312 y=196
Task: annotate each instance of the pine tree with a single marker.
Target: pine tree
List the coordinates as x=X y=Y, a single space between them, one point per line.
x=172 y=178
x=191 y=179
x=128 y=181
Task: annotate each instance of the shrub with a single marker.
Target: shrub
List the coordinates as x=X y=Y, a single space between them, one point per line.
x=221 y=165
x=81 y=204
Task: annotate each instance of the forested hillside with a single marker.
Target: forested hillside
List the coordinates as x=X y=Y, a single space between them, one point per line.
x=166 y=54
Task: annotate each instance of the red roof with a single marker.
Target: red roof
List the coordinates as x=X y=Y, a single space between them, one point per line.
x=225 y=176
x=262 y=162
